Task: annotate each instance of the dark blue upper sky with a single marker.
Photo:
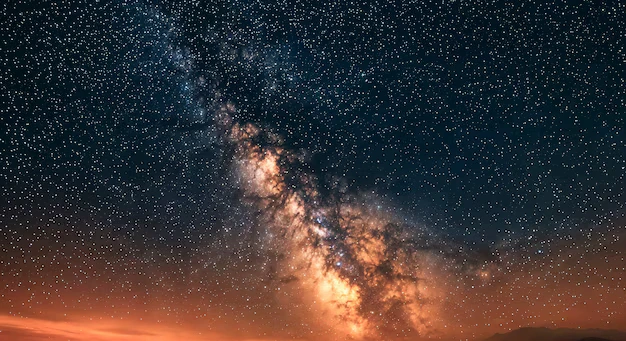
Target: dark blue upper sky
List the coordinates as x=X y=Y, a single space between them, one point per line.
x=475 y=118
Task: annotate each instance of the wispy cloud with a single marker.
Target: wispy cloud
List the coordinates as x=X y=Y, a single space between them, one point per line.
x=33 y=329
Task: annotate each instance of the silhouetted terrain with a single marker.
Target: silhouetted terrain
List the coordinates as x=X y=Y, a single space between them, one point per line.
x=561 y=334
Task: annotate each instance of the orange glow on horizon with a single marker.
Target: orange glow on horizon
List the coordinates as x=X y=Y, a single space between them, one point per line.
x=31 y=329
x=35 y=329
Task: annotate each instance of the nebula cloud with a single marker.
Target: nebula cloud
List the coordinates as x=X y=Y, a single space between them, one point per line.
x=359 y=269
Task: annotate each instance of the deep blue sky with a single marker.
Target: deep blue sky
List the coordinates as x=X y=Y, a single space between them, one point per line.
x=476 y=118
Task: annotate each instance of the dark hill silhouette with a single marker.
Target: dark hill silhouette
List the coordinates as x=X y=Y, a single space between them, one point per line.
x=561 y=334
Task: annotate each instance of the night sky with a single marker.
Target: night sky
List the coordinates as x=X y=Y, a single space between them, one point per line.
x=248 y=170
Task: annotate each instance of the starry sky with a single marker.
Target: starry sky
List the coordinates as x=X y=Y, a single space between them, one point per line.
x=294 y=170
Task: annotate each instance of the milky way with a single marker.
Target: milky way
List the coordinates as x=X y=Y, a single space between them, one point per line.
x=348 y=171
x=353 y=262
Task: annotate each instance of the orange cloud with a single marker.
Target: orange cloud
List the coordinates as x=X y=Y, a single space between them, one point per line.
x=31 y=329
